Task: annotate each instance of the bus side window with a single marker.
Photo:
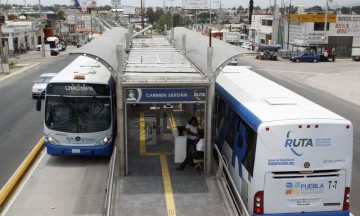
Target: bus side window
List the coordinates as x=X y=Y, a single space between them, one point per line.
x=249 y=158
x=221 y=112
x=241 y=137
x=231 y=131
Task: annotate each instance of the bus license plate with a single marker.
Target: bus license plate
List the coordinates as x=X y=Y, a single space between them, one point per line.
x=303 y=202
x=75 y=151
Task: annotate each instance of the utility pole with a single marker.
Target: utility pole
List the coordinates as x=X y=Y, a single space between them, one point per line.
x=325 y=25
x=142 y=14
x=288 y=35
x=274 y=36
x=41 y=32
x=251 y=8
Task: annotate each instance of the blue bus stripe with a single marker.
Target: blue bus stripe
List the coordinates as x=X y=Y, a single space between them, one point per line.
x=239 y=108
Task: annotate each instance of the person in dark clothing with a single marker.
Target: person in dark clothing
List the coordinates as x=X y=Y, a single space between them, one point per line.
x=195 y=154
x=333 y=56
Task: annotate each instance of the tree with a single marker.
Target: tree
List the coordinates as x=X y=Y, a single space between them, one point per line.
x=178 y=20
x=165 y=19
x=345 y=10
x=60 y=15
x=356 y=9
x=151 y=15
x=257 y=8
x=240 y=8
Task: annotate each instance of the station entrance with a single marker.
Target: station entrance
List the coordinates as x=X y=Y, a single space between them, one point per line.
x=156 y=121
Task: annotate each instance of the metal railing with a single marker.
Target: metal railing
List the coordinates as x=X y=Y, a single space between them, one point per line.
x=109 y=187
x=233 y=191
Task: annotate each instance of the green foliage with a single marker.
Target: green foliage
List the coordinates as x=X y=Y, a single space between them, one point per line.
x=345 y=10
x=11 y=64
x=60 y=15
x=165 y=19
x=356 y=9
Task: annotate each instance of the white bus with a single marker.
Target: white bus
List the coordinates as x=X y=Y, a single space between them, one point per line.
x=286 y=155
x=80 y=110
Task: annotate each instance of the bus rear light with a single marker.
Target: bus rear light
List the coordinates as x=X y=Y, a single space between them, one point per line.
x=316 y=126
x=267 y=129
x=346 y=204
x=259 y=202
x=300 y=126
x=308 y=126
x=347 y=126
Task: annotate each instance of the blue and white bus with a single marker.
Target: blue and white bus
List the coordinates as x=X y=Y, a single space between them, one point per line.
x=286 y=155
x=80 y=113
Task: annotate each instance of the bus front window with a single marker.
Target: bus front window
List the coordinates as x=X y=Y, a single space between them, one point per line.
x=77 y=114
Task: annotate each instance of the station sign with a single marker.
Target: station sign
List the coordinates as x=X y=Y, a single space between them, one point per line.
x=167 y=95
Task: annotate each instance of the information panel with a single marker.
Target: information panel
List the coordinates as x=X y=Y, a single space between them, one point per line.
x=147 y=95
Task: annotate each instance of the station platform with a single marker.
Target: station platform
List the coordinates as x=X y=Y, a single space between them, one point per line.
x=153 y=186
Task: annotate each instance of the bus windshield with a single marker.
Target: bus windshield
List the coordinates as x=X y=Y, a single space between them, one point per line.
x=77 y=114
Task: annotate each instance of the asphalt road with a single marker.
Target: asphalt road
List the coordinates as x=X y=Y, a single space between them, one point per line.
x=334 y=86
x=21 y=126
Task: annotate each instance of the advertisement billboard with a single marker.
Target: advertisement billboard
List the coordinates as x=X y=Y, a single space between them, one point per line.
x=115 y=2
x=83 y=23
x=83 y=3
x=129 y=9
x=195 y=4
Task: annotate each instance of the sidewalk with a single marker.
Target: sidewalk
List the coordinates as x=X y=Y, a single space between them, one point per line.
x=25 y=61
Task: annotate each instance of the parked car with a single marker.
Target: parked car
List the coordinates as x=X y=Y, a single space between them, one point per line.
x=306 y=57
x=246 y=45
x=80 y=43
x=38 y=89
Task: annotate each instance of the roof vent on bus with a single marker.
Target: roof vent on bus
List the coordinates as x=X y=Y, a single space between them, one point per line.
x=279 y=101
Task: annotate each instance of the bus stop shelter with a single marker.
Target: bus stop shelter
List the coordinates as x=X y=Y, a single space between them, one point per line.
x=166 y=79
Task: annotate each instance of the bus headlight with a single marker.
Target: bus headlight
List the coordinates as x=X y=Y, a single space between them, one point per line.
x=105 y=140
x=51 y=140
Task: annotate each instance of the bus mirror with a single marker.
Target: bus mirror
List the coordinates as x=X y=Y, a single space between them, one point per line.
x=38 y=105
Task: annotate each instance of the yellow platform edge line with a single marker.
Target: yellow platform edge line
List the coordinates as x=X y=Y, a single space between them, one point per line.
x=169 y=197
x=19 y=173
x=172 y=122
x=142 y=134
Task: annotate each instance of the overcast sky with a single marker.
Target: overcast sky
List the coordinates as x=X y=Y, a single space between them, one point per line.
x=215 y=3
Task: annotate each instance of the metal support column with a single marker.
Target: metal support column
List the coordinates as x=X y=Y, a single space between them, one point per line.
x=120 y=134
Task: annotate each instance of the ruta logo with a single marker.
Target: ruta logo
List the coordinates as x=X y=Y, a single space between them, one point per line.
x=297 y=144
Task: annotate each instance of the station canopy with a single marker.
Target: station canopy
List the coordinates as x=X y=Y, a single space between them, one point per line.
x=103 y=47
x=196 y=49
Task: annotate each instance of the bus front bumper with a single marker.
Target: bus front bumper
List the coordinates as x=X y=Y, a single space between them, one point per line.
x=58 y=150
